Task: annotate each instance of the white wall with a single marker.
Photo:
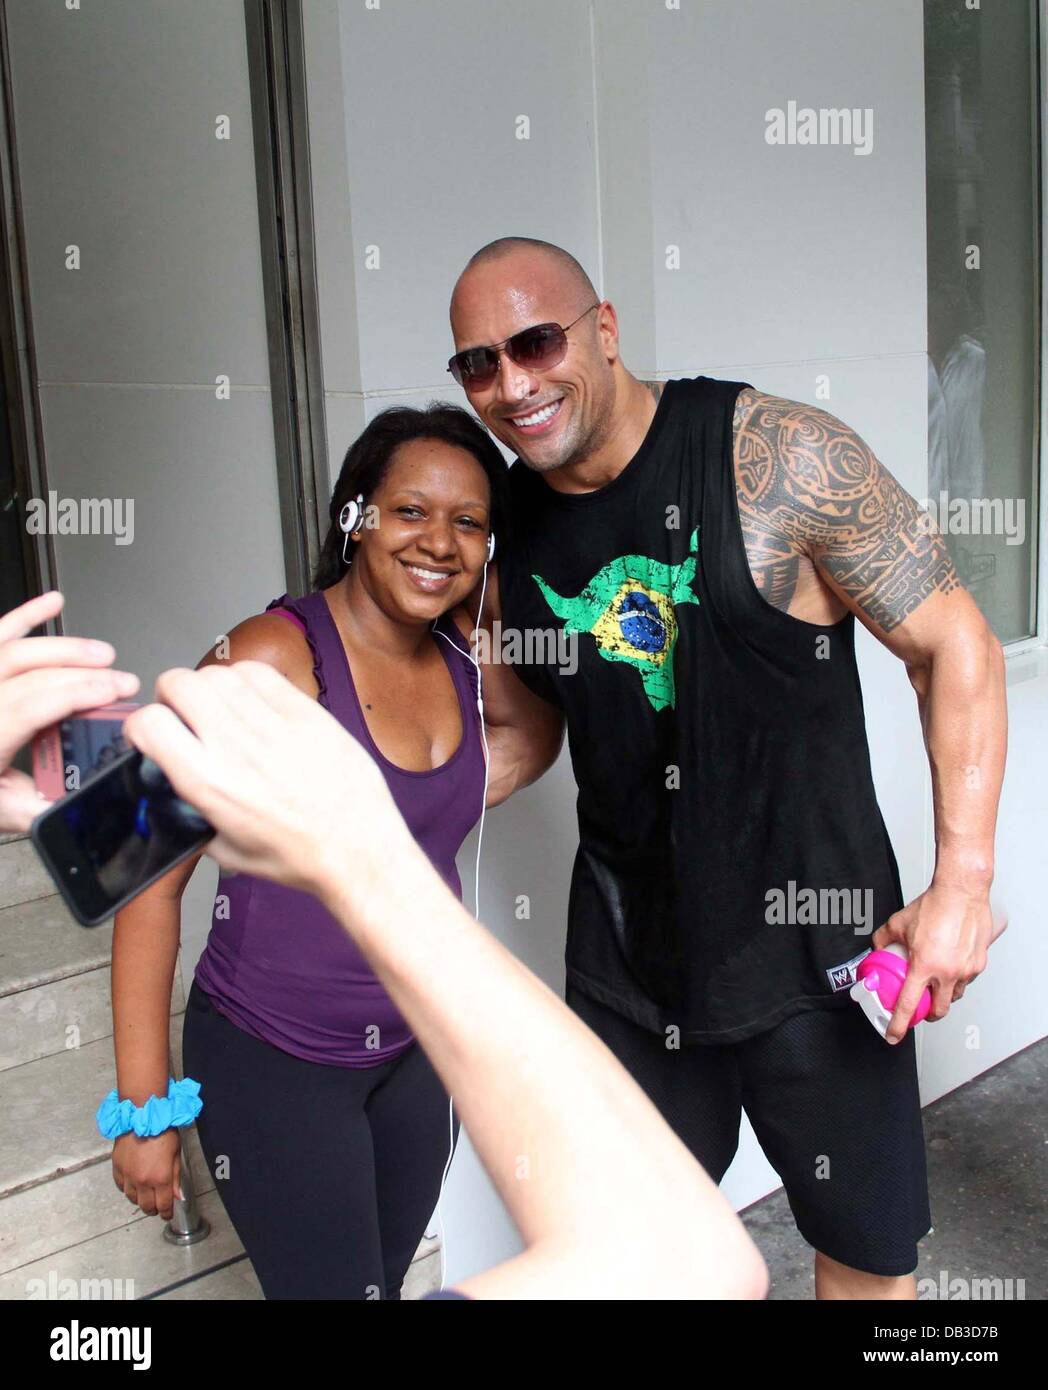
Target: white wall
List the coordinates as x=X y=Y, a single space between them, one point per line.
x=414 y=152
x=802 y=271
x=114 y=112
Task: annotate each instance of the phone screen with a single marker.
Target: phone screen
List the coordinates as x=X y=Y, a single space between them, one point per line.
x=122 y=830
x=88 y=744
x=78 y=746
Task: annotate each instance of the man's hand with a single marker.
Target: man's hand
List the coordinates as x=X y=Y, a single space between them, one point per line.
x=292 y=796
x=43 y=680
x=947 y=932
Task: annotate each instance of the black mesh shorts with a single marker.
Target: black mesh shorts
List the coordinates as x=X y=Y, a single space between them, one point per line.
x=835 y=1108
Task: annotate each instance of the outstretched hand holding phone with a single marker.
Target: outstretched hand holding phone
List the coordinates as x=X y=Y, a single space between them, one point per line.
x=43 y=680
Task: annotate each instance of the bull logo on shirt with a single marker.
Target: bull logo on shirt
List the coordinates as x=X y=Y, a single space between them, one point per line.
x=629 y=608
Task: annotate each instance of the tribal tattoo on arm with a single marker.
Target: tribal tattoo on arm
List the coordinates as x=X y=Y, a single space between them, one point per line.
x=811 y=492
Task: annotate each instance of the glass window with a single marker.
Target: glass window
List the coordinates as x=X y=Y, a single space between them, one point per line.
x=984 y=330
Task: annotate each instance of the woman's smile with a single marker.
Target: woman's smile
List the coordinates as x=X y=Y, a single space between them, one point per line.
x=430 y=581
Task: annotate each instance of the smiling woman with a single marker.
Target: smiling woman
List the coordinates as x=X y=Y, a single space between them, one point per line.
x=286 y=1017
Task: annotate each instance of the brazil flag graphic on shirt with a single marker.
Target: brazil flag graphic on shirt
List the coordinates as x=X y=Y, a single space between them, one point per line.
x=628 y=606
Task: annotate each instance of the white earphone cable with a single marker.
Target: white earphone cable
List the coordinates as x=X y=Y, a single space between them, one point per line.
x=349 y=520
x=476 y=891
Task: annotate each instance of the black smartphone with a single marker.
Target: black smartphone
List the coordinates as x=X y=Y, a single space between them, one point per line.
x=118 y=833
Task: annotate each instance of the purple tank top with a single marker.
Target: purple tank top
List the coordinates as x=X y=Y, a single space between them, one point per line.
x=276 y=963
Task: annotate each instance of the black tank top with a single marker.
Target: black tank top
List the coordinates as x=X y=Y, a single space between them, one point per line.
x=733 y=861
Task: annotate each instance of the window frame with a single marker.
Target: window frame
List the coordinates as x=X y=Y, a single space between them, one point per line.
x=1039 y=501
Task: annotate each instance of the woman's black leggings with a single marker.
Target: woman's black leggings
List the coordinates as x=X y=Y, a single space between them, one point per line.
x=329 y=1174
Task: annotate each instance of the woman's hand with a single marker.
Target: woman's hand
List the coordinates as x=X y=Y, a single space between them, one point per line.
x=292 y=796
x=148 y=1171
x=43 y=680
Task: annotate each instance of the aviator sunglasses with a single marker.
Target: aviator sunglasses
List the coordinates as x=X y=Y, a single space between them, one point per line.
x=534 y=349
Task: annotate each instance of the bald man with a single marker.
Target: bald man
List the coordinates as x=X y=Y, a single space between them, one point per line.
x=707 y=547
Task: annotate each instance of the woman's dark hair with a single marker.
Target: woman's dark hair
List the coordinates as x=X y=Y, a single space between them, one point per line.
x=369 y=457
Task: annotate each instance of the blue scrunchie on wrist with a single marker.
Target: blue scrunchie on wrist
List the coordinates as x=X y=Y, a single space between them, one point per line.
x=180 y=1107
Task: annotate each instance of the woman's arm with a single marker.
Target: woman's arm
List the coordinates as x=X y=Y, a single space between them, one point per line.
x=146 y=934
x=147 y=931
x=145 y=948
x=610 y=1202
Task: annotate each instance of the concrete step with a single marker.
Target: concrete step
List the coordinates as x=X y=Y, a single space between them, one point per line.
x=237 y=1281
x=54 y=982
x=56 y=1185
x=48 y=1108
x=61 y=1215
x=23 y=877
x=75 y=1207
x=133 y=1261
x=40 y=942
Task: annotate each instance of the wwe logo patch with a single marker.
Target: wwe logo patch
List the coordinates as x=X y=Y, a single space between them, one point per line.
x=843 y=976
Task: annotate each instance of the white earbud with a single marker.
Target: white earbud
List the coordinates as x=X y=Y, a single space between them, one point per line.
x=350 y=520
x=351 y=517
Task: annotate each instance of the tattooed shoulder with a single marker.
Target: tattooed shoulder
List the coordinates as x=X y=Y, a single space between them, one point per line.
x=812 y=492
x=655 y=387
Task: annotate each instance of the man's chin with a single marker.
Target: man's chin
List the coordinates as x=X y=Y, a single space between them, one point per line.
x=542 y=456
x=541 y=465
x=541 y=453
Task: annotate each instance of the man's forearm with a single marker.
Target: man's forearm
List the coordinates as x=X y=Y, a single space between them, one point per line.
x=964 y=715
x=579 y=1155
x=516 y=758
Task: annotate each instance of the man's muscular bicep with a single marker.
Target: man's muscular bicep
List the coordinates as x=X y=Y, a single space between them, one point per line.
x=811 y=492
x=775 y=557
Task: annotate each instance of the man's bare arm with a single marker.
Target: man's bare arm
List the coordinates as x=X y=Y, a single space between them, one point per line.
x=813 y=496
x=524 y=732
x=811 y=490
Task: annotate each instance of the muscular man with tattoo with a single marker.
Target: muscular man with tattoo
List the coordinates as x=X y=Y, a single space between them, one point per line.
x=711 y=546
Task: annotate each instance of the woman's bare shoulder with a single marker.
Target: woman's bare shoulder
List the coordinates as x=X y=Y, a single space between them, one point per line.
x=270 y=638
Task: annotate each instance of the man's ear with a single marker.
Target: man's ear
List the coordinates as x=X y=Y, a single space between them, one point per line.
x=608 y=330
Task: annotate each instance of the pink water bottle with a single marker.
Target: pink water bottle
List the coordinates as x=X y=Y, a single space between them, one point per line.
x=879 y=979
x=880 y=976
